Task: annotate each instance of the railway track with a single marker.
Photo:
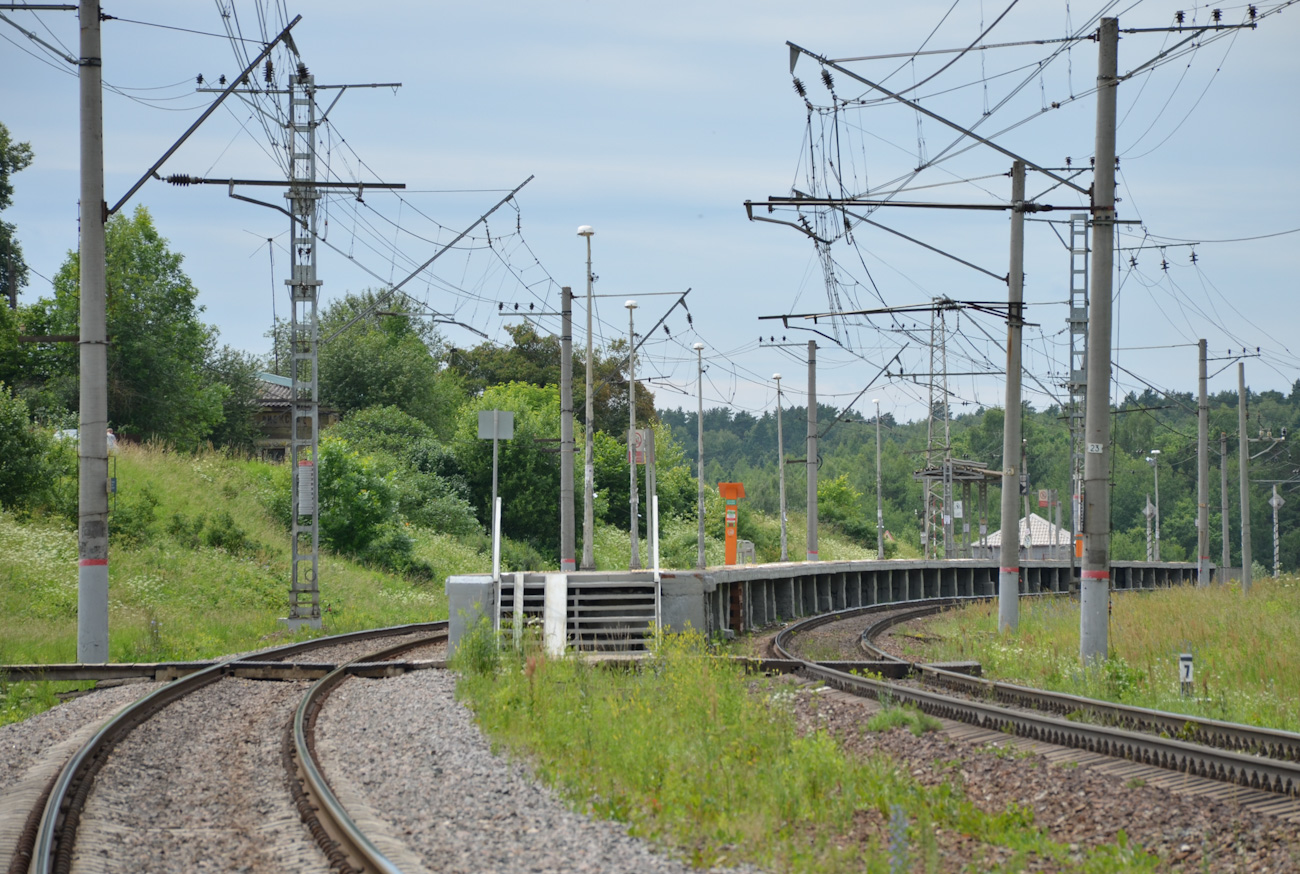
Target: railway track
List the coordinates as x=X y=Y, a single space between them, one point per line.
x=70 y=808
x=1246 y=756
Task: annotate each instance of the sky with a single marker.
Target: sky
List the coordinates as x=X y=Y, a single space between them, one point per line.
x=654 y=127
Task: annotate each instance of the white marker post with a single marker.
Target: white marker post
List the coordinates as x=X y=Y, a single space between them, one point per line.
x=496 y=425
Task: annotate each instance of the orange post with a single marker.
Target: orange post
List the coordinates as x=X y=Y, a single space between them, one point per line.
x=731 y=493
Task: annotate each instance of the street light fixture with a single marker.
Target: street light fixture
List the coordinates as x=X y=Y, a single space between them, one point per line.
x=699 y=423
x=780 y=463
x=635 y=563
x=1154 y=460
x=588 y=462
x=880 y=505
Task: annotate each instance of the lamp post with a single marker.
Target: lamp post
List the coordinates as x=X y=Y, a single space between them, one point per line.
x=780 y=464
x=880 y=503
x=1154 y=458
x=635 y=563
x=699 y=429
x=588 y=463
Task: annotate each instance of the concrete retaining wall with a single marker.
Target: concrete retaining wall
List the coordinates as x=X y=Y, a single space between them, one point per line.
x=742 y=597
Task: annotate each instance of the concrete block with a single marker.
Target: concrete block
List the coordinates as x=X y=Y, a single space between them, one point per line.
x=469 y=596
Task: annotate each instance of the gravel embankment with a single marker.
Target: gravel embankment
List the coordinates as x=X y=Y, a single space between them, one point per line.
x=1077 y=806
x=33 y=752
x=413 y=757
x=201 y=787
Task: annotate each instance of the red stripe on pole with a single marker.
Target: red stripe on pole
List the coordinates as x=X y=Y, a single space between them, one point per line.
x=1011 y=570
x=92 y=562
x=1096 y=575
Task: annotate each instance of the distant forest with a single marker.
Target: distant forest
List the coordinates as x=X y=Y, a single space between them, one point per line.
x=739 y=446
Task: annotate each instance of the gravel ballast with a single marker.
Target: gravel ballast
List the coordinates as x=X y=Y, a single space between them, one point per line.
x=201 y=786
x=413 y=754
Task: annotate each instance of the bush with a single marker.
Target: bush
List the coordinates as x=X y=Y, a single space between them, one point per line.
x=130 y=521
x=29 y=460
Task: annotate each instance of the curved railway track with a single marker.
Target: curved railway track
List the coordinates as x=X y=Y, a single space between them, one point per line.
x=50 y=838
x=1257 y=758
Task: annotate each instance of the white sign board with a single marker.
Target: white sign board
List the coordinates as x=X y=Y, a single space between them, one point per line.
x=499 y=424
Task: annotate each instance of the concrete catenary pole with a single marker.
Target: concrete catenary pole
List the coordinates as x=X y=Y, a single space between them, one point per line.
x=92 y=522
x=567 y=563
x=811 y=553
x=1202 y=473
x=1155 y=469
x=635 y=561
x=1009 y=551
x=699 y=449
x=588 y=460
x=1276 y=503
x=1223 y=502
x=780 y=467
x=1094 y=582
x=880 y=500
x=1146 y=514
x=1243 y=474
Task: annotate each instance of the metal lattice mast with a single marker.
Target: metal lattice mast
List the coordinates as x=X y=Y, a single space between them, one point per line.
x=304 y=593
x=947 y=507
x=1078 y=379
x=938 y=490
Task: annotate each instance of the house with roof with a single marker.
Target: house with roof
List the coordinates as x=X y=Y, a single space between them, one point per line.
x=274 y=416
x=1039 y=540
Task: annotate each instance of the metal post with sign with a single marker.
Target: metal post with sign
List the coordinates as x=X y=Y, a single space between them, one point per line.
x=495 y=425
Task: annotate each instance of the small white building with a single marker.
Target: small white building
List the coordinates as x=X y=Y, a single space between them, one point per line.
x=1039 y=540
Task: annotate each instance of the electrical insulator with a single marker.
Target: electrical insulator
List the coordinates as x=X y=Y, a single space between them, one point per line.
x=1250 y=10
x=270 y=77
x=198 y=79
x=799 y=89
x=1179 y=16
x=222 y=79
x=827 y=80
x=1217 y=15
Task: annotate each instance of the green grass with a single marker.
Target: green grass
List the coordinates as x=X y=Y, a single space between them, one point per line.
x=171 y=594
x=1246 y=649
x=910 y=718
x=692 y=753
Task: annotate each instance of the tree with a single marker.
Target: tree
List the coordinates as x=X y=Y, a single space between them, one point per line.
x=534 y=359
x=13 y=270
x=20 y=452
x=237 y=371
x=157 y=383
x=381 y=360
x=531 y=358
x=528 y=477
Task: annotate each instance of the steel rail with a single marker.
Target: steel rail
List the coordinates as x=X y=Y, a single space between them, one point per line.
x=1252 y=740
x=49 y=843
x=1271 y=775
x=342 y=841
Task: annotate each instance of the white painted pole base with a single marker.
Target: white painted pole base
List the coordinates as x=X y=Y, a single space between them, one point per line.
x=1094 y=616
x=1008 y=599
x=555 y=616
x=92 y=613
